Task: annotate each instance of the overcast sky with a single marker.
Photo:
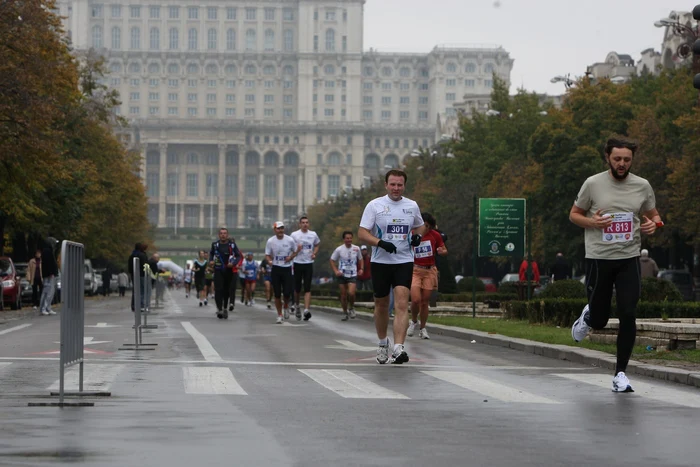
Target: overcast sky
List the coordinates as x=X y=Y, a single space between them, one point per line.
x=545 y=37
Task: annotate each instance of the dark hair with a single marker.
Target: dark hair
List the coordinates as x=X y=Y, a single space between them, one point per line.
x=429 y=219
x=345 y=233
x=396 y=172
x=620 y=143
x=223 y=228
x=302 y=218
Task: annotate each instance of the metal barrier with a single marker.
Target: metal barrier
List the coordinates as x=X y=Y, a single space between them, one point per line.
x=149 y=277
x=160 y=292
x=138 y=328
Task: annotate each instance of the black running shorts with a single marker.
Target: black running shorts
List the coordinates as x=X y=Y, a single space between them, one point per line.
x=386 y=276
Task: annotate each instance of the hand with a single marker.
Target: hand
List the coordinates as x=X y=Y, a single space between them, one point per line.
x=313 y=255
x=600 y=220
x=338 y=274
x=441 y=250
x=648 y=226
x=288 y=259
x=415 y=240
x=387 y=246
x=299 y=247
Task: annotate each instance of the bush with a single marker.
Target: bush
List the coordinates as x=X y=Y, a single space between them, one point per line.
x=465 y=285
x=480 y=297
x=568 y=288
x=658 y=290
x=508 y=288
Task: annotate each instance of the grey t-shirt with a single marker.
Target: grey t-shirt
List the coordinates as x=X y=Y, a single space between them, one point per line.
x=625 y=200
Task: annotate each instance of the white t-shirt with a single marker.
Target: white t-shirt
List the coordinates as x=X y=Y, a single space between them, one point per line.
x=308 y=241
x=392 y=221
x=188 y=275
x=279 y=249
x=347 y=259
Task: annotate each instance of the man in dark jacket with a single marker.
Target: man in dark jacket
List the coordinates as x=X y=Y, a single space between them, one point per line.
x=560 y=269
x=49 y=272
x=140 y=253
x=226 y=258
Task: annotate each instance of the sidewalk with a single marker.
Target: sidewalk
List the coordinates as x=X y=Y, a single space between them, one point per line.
x=560 y=352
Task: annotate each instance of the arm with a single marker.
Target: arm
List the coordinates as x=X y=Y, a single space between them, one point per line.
x=442 y=248
x=211 y=252
x=578 y=217
x=651 y=217
x=316 y=248
x=360 y=264
x=335 y=268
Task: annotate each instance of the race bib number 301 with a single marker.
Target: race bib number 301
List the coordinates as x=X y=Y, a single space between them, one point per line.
x=621 y=229
x=396 y=231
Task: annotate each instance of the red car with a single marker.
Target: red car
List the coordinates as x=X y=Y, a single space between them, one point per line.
x=11 y=287
x=489 y=284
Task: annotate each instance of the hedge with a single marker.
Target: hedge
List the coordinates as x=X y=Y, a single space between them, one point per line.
x=563 y=312
x=567 y=288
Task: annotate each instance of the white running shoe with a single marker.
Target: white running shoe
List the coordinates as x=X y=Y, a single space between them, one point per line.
x=352 y=313
x=247 y=303
x=279 y=320
x=269 y=306
x=423 y=334
x=411 y=328
x=252 y=301
x=51 y=312
x=383 y=353
x=44 y=312
x=580 y=329
x=621 y=383
x=399 y=356
x=307 y=315
x=286 y=313
x=230 y=306
x=298 y=314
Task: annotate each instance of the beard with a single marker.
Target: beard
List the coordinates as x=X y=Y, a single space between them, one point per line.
x=616 y=174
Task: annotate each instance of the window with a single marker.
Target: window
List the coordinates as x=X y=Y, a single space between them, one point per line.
x=330 y=84
x=211 y=39
x=116 y=38
x=470 y=68
x=152 y=182
x=192 y=188
x=230 y=84
x=405 y=100
x=173 y=39
x=329 y=70
x=153 y=96
x=288 y=84
x=345 y=43
x=423 y=100
x=424 y=72
x=488 y=68
x=231 y=13
x=134 y=96
x=172 y=97
x=269 y=40
x=386 y=115
x=211 y=98
x=135 y=81
x=334 y=160
x=330 y=40
x=270 y=186
x=231 y=39
x=251 y=186
x=319 y=186
x=404 y=115
x=250 y=39
x=269 y=99
x=231 y=185
x=135 y=11
x=192 y=69
x=387 y=71
x=155 y=39
x=423 y=115
x=135 y=38
x=230 y=98
x=212 y=69
x=249 y=83
x=192 y=97
x=333 y=185
x=250 y=98
x=174 y=12
x=386 y=86
x=450 y=96
x=450 y=112
x=173 y=68
x=211 y=12
x=405 y=86
x=134 y=110
x=288 y=40
x=488 y=83
x=367 y=114
x=470 y=83
x=250 y=14
x=330 y=15
x=451 y=68
x=367 y=100
x=328 y=112
x=287 y=113
x=386 y=100
x=173 y=183
x=155 y=12
x=173 y=83
x=349 y=143
x=97 y=37
x=315 y=43
x=451 y=82
x=269 y=14
x=423 y=87
x=193 y=12
x=367 y=86
x=192 y=111
x=116 y=11
x=290 y=186
x=172 y=110
x=192 y=39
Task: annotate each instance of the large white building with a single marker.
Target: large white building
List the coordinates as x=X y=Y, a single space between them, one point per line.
x=249 y=111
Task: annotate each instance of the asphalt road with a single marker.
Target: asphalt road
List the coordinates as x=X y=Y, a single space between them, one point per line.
x=248 y=392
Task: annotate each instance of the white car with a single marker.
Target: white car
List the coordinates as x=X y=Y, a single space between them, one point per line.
x=510 y=277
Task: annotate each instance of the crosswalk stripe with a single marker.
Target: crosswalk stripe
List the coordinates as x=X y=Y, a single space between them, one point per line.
x=208 y=351
x=351 y=386
x=210 y=380
x=95 y=378
x=16 y=328
x=651 y=391
x=491 y=389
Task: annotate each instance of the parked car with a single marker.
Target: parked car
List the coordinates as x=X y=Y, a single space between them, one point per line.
x=489 y=284
x=510 y=277
x=682 y=279
x=11 y=292
x=90 y=279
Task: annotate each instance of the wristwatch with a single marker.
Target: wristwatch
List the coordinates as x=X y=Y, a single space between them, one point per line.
x=659 y=224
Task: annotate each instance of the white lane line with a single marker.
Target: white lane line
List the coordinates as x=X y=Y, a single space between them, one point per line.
x=350 y=386
x=95 y=378
x=650 y=391
x=202 y=342
x=16 y=328
x=491 y=389
x=210 y=380
x=4 y=364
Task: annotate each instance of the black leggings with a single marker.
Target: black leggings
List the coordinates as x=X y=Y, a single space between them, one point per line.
x=625 y=275
x=224 y=288
x=282 y=282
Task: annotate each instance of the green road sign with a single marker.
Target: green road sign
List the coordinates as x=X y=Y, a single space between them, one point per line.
x=501 y=227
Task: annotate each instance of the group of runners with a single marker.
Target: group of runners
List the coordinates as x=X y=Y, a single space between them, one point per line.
x=615 y=207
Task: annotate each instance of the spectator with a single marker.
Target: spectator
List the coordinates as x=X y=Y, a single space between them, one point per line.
x=49 y=271
x=364 y=280
x=523 y=271
x=648 y=266
x=561 y=269
x=106 y=279
x=34 y=278
x=122 y=283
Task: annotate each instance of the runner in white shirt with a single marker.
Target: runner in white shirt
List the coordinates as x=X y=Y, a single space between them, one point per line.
x=188 y=280
x=304 y=265
x=347 y=263
x=280 y=250
x=386 y=225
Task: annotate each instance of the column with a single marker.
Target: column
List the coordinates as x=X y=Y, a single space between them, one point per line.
x=181 y=189
x=162 y=185
x=261 y=187
x=300 y=191
x=142 y=164
x=202 y=223
x=241 y=190
x=280 y=195
x=221 y=189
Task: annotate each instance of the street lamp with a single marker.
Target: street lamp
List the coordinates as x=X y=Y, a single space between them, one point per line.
x=568 y=82
x=690 y=34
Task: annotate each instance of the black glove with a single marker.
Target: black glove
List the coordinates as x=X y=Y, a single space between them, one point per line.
x=387 y=246
x=415 y=240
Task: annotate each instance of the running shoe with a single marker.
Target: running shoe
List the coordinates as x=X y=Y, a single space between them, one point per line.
x=200 y=303
x=399 y=356
x=44 y=312
x=383 y=353
x=269 y=306
x=621 y=383
x=225 y=314
x=580 y=329
x=252 y=301
x=230 y=307
x=411 y=328
x=51 y=312
x=298 y=314
x=247 y=303
x=423 y=334
x=279 y=320
x=345 y=317
x=286 y=313
x=220 y=314
x=307 y=315
x=206 y=302
x=352 y=313
x=187 y=295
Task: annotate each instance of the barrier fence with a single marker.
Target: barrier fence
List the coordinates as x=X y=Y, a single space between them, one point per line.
x=140 y=307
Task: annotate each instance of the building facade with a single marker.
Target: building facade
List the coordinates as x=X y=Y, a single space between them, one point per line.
x=250 y=111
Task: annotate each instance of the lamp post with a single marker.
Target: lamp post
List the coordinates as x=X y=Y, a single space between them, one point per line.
x=689 y=36
x=566 y=79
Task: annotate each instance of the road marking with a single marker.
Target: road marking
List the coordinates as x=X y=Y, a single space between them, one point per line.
x=350 y=386
x=95 y=378
x=347 y=345
x=104 y=325
x=651 y=391
x=89 y=341
x=4 y=364
x=16 y=328
x=202 y=342
x=491 y=389
x=210 y=380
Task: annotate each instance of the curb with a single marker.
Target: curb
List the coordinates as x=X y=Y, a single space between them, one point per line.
x=560 y=352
